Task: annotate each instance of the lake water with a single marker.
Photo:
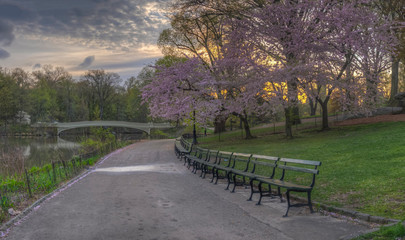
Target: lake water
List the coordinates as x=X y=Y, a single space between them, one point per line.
x=20 y=153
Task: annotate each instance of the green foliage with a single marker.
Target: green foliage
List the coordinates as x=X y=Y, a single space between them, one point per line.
x=385 y=233
x=99 y=138
x=169 y=60
x=90 y=161
x=34 y=169
x=11 y=184
x=51 y=94
x=5 y=203
x=136 y=110
x=21 y=128
x=8 y=97
x=157 y=133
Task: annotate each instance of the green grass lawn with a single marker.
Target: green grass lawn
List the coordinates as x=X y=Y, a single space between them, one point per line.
x=363 y=167
x=385 y=233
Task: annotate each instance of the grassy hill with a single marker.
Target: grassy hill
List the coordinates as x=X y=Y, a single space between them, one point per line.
x=363 y=166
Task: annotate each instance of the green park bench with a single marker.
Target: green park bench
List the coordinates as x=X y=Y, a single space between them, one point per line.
x=193 y=160
x=182 y=148
x=208 y=163
x=290 y=170
x=260 y=166
x=238 y=167
x=294 y=175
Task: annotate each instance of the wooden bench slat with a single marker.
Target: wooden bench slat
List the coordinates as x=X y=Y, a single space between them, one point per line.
x=263 y=163
x=265 y=157
x=300 y=161
x=284 y=184
x=242 y=155
x=299 y=169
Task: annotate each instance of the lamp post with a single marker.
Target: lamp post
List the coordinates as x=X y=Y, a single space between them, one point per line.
x=194 y=131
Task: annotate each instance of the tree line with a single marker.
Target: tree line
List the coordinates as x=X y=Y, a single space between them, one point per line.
x=51 y=94
x=262 y=57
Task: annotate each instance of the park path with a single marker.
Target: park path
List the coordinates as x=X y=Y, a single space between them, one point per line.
x=144 y=192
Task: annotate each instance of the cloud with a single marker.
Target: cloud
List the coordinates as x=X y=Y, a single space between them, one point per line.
x=6 y=33
x=114 y=24
x=15 y=12
x=36 y=66
x=4 y=54
x=87 y=62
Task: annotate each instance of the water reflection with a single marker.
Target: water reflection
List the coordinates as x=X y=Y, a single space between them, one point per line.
x=17 y=154
x=37 y=151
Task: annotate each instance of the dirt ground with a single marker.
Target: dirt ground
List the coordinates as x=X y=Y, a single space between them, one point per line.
x=376 y=119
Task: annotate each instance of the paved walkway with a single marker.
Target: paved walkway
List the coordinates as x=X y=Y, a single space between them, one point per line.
x=144 y=192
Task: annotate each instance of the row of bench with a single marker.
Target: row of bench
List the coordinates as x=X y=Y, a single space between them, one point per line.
x=240 y=169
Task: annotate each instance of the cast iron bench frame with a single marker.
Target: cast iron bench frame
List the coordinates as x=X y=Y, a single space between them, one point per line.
x=182 y=148
x=299 y=166
x=259 y=165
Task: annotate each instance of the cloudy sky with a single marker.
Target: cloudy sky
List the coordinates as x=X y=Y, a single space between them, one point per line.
x=115 y=35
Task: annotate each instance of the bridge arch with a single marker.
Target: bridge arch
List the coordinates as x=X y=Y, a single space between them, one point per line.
x=146 y=127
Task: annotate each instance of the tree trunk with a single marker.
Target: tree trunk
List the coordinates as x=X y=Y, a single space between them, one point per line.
x=219 y=125
x=313 y=106
x=294 y=112
x=371 y=90
x=325 y=117
x=296 y=115
x=194 y=130
x=349 y=76
x=288 y=121
x=101 y=112
x=394 y=78
x=246 y=127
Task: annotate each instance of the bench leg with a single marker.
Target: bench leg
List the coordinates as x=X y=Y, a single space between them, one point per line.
x=202 y=170
x=217 y=175
x=229 y=176
x=213 y=174
x=251 y=190
x=309 y=202
x=288 y=201
x=261 y=193
x=189 y=165
x=234 y=183
x=194 y=167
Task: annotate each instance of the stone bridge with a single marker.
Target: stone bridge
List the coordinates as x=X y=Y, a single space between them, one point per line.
x=146 y=127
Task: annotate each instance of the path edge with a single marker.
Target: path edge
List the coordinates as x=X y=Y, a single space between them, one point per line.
x=13 y=221
x=29 y=209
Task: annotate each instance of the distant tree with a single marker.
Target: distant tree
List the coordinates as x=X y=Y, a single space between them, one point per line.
x=394 y=11
x=24 y=81
x=103 y=84
x=51 y=97
x=67 y=97
x=43 y=102
x=136 y=109
x=119 y=105
x=8 y=98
